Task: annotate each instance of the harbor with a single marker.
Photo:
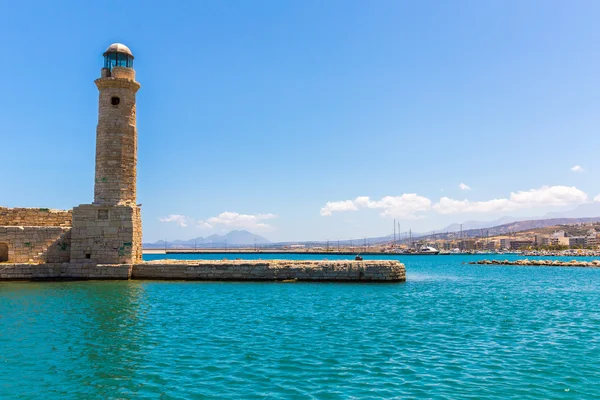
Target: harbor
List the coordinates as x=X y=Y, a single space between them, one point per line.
x=325 y=200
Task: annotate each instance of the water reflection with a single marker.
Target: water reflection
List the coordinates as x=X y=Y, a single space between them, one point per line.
x=87 y=336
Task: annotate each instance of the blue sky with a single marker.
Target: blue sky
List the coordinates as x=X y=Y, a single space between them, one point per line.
x=306 y=119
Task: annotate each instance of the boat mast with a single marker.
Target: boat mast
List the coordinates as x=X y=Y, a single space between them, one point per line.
x=399 y=234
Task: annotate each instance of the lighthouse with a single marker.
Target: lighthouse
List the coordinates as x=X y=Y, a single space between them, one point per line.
x=116 y=133
x=109 y=231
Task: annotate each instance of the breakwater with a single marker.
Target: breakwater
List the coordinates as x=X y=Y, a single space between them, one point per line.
x=540 y=263
x=209 y=270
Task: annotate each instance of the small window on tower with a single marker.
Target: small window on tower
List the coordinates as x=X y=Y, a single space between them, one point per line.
x=115 y=101
x=102 y=214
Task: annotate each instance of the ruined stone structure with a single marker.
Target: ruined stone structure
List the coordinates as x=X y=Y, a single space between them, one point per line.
x=34 y=217
x=34 y=235
x=109 y=231
x=37 y=244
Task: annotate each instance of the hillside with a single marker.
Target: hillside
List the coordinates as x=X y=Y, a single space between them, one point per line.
x=513 y=227
x=233 y=238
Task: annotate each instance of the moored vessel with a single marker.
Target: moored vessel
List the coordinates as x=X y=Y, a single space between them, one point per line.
x=423 y=250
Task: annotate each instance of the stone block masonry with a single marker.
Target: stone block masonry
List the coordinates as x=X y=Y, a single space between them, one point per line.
x=35 y=217
x=106 y=234
x=273 y=270
x=63 y=271
x=238 y=270
x=37 y=244
x=116 y=139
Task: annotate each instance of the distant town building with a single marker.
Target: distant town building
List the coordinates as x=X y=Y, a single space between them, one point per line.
x=559 y=238
x=577 y=241
x=492 y=245
x=542 y=240
x=467 y=244
x=591 y=241
x=446 y=245
x=520 y=244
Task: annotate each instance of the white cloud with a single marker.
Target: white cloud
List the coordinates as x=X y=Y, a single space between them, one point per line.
x=412 y=206
x=180 y=220
x=545 y=196
x=551 y=196
x=464 y=186
x=203 y=225
x=407 y=206
x=577 y=168
x=597 y=199
x=227 y=219
x=236 y=220
x=336 y=206
x=451 y=206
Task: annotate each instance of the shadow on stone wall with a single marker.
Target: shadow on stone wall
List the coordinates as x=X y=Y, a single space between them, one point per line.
x=3 y=252
x=35 y=244
x=60 y=250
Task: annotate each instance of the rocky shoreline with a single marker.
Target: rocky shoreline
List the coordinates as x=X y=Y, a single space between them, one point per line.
x=541 y=263
x=562 y=253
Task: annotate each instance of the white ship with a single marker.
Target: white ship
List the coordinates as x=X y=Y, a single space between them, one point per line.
x=423 y=250
x=428 y=250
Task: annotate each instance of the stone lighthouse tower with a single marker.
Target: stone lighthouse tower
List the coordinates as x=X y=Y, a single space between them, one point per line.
x=116 y=134
x=109 y=231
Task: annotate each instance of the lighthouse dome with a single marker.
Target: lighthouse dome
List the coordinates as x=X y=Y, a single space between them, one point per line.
x=118 y=48
x=118 y=55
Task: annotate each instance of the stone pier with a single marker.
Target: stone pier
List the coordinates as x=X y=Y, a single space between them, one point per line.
x=208 y=270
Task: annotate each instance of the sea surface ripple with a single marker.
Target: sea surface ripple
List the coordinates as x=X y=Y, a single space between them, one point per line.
x=451 y=331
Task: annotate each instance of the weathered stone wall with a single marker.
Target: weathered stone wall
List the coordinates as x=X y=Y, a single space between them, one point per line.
x=242 y=270
x=36 y=244
x=35 y=217
x=106 y=234
x=64 y=271
x=123 y=73
x=116 y=139
x=269 y=270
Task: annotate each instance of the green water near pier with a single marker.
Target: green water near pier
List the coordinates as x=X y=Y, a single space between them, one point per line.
x=453 y=330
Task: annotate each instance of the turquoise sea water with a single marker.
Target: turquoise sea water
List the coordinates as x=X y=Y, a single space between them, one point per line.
x=451 y=331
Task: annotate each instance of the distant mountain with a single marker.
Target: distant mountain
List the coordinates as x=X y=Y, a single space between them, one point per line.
x=477 y=224
x=581 y=211
x=520 y=226
x=588 y=210
x=517 y=226
x=233 y=238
